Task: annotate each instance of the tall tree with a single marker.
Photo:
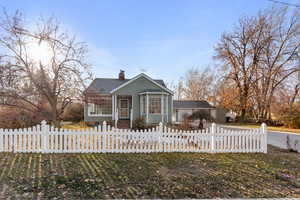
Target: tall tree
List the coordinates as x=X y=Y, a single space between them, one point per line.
x=280 y=57
x=41 y=65
x=240 y=52
x=258 y=55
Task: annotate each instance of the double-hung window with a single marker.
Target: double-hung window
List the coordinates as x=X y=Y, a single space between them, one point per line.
x=155 y=105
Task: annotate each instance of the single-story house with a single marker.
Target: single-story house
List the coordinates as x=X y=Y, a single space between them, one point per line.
x=122 y=100
x=185 y=108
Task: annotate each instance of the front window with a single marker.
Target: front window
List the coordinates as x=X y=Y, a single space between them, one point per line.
x=100 y=105
x=155 y=105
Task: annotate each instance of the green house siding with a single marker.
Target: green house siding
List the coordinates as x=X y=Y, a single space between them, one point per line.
x=156 y=118
x=138 y=86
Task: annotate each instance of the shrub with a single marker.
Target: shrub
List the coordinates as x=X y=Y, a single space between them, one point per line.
x=139 y=123
x=185 y=125
x=291 y=119
x=73 y=112
x=15 y=118
x=201 y=115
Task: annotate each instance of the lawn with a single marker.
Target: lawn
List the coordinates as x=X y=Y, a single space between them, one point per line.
x=271 y=128
x=163 y=175
x=76 y=126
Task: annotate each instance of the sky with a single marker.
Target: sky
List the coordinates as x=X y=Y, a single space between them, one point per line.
x=162 y=38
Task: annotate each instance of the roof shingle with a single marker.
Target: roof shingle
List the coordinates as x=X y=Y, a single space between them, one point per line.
x=105 y=85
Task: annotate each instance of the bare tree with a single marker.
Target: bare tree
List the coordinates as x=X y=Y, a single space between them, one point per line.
x=280 y=55
x=258 y=55
x=199 y=84
x=41 y=66
x=240 y=53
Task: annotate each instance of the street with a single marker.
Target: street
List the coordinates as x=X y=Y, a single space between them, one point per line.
x=282 y=140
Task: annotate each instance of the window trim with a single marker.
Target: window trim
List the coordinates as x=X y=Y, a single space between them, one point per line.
x=96 y=115
x=155 y=97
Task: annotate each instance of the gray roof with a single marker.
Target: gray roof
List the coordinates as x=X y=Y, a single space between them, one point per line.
x=181 y=104
x=105 y=85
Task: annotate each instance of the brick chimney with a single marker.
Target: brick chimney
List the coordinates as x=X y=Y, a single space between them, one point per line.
x=122 y=75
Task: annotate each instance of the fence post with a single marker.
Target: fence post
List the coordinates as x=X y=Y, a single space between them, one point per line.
x=160 y=130
x=265 y=135
x=44 y=136
x=213 y=137
x=104 y=136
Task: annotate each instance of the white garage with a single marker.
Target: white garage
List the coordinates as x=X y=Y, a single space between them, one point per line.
x=185 y=108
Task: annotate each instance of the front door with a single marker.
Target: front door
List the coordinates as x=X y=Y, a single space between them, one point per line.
x=123 y=109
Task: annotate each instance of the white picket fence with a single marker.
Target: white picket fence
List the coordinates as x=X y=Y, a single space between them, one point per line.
x=106 y=139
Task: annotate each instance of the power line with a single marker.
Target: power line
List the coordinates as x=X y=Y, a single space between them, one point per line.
x=285 y=3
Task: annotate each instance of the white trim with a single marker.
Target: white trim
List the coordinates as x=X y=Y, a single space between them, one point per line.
x=137 y=77
x=141 y=105
x=99 y=115
x=147 y=108
x=157 y=97
x=172 y=109
x=143 y=93
x=162 y=107
x=96 y=115
x=113 y=106
x=167 y=108
x=128 y=113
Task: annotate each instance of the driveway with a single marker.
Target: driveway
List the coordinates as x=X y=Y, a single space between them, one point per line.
x=282 y=140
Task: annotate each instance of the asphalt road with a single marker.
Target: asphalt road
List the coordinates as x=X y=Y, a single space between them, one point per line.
x=282 y=140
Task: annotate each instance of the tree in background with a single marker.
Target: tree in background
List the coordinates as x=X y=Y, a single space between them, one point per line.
x=258 y=55
x=199 y=84
x=74 y=112
x=42 y=66
x=177 y=88
x=239 y=52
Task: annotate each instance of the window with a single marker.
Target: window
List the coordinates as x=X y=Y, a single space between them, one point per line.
x=155 y=105
x=100 y=106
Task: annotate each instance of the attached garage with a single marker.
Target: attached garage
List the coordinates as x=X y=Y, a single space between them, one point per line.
x=185 y=108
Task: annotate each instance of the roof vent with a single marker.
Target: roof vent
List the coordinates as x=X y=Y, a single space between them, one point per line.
x=122 y=75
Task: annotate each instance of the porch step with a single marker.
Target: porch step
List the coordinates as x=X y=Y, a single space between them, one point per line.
x=123 y=124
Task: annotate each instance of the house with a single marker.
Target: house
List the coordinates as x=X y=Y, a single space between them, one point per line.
x=185 y=108
x=122 y=100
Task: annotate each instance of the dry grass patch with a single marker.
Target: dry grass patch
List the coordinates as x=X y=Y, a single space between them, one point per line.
x=156 y=175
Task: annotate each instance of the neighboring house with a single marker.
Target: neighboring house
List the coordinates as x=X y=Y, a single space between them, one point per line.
x=124 y=100
x=185 y=108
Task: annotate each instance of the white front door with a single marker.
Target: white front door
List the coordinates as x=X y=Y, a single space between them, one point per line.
x=123 y=109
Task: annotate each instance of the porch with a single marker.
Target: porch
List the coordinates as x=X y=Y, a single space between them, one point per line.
x=122 y=111
x=153 y=106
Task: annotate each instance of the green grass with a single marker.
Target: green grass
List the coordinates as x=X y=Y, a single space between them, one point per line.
x=163 y=175
x=271 y=128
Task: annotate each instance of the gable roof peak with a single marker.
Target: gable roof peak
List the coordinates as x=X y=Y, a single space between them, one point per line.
x=148 y=78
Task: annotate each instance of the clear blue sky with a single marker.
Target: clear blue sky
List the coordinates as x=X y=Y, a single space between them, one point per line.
x=164 y=37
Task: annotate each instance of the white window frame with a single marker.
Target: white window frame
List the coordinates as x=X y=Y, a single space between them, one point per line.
x=158 y=98
x=91 y=107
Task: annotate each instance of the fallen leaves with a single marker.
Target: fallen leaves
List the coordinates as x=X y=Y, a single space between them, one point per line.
x=161 y=175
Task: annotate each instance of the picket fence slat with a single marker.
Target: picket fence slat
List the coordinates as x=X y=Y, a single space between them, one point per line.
x=106 y=139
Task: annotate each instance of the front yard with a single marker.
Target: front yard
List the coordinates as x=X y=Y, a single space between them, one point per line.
x=163 y=175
